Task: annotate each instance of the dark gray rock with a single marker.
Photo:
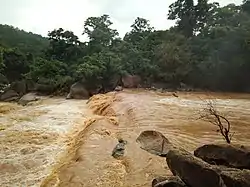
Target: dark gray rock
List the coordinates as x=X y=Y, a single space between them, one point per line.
x=78 y=91
x=19 y=87
x=30 y=86
x=9 y=95
x=235 y=177
x=227 y=155
x=119 y=149
x=193 y=171
x=44 y=88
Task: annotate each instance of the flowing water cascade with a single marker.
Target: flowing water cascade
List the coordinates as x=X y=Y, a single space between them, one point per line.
x=79 y=137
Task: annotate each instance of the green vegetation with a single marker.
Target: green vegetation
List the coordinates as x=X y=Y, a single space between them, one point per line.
x=208 y=48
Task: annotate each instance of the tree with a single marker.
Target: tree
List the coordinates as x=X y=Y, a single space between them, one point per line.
x=14 y=65
x=208 y=48
x=53 y=73
x=141 y=25
x=99 y=33
x=211 y=114
x=63 y=46
x=184 y=12
x=1 y=60
x=220 y=51
x=137 y=51
x=173 y=58
x=26 y=42
x=140 y=30
x=190 y=17
x=99 y=70
x=246 y=6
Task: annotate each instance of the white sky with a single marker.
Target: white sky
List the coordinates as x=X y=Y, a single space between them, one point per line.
x=41 y=16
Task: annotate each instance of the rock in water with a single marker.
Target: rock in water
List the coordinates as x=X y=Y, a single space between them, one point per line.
x=78 y=91
x=131 y=81
x=9 y=95
x=234 y=177
x=44 y=89
x=228 y=155
x=118 y=88
x=20 y=87
x=154 y=142
x=192 y=171
x=168 y=182
x=119 y=149
x=27 y=98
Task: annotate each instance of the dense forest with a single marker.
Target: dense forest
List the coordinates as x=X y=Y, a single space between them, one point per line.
x=208 y=48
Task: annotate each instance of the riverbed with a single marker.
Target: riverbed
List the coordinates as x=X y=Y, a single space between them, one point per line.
x=58 y=142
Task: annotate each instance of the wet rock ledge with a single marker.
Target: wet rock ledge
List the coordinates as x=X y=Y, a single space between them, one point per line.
x=210 y=166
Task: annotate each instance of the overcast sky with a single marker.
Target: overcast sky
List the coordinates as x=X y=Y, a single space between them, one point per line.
x=41 y=16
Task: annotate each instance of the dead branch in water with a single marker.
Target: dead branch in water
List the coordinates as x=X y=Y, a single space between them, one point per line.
x=211 y=114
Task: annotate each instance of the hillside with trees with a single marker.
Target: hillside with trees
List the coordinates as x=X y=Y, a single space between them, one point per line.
x=208 y=48
x=26 y=42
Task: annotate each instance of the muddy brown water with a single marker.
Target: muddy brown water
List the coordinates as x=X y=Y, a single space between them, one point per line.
x=60 y=142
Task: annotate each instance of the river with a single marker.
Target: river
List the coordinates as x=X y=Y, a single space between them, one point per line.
x=58 y=142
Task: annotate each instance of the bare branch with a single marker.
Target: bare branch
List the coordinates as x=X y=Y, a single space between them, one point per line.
x=211 y=115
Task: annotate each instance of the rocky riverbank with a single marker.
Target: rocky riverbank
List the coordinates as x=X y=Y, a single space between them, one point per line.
x=228 y=165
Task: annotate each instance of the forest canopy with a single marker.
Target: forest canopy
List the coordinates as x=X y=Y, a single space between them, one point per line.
x=208 y=48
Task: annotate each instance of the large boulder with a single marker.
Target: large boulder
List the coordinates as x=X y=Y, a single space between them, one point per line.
x=154 y=142
x=44 y=88
x=131 y=81
x=30 y=85
x=9 y=95
x=235 y=177
x=3 y=82
x=227 y=155
x=78 y=91
x=19 y=86
x=191 y=170
x=27 y=98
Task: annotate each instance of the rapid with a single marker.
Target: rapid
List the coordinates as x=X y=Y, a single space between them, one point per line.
x=58 y=142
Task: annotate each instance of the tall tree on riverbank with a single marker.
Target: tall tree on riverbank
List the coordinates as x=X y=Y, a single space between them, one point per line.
x=208 y=48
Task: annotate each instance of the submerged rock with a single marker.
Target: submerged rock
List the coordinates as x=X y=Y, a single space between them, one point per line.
x=227 y=155
x=119 y=149
x=27 y=98
x=154 y=142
